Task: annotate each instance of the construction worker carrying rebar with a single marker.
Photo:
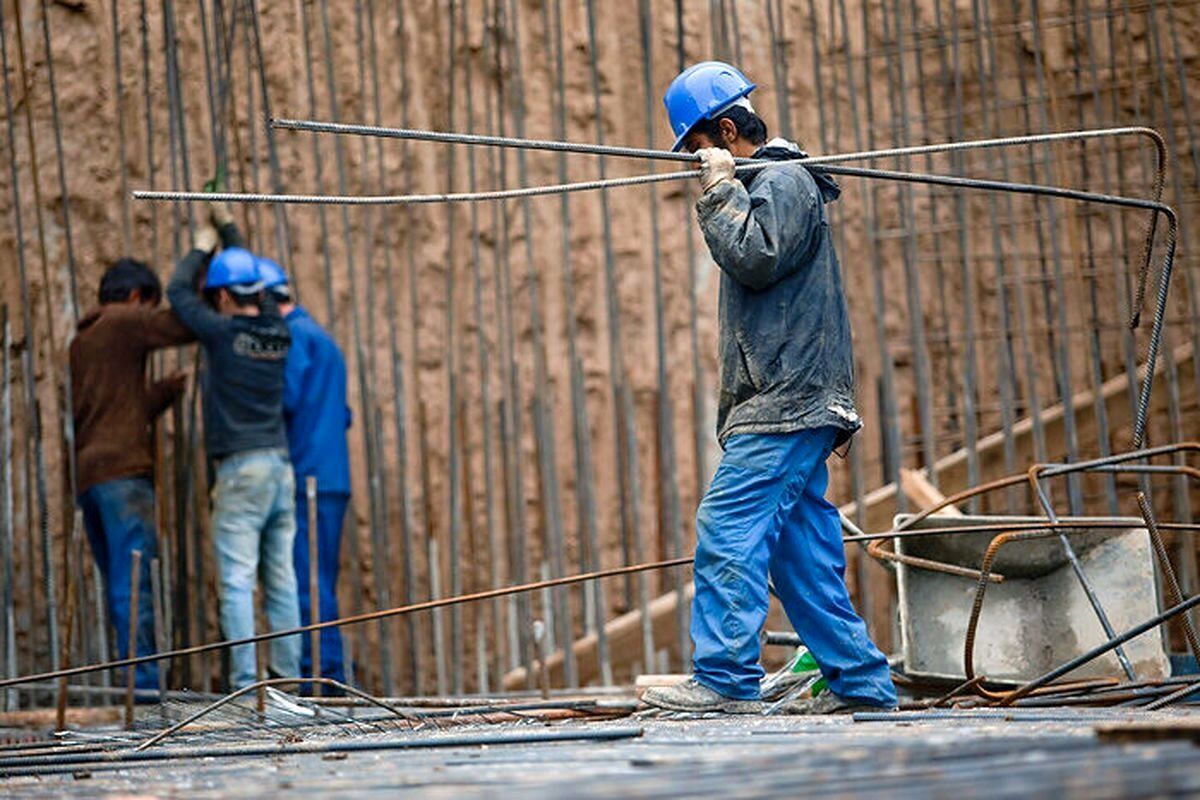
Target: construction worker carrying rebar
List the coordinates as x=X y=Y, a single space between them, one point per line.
x=113 y=409
x=317 y=417
x=786 y=402
x=245 y=343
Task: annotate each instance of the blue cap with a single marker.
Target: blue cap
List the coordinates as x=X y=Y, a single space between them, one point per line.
x=236 y=269
x=272 y=274
x=701 y=92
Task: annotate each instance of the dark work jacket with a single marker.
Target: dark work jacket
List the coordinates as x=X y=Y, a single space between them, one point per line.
x=244 y=360
x=785 y=349
x=314 y=406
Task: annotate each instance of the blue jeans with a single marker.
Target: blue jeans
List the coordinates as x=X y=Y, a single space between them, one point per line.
x=766 y=511
x=254 y=524
x=118 y=516
x=331 y=511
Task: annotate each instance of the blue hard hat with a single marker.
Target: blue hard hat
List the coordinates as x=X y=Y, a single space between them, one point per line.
x=701 y=92
x=236 y=269
x=271 y=273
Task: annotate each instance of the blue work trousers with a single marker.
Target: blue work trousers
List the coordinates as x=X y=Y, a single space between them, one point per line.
x=766 y=512
x=331 y=511
x=118 y=516
x=254 y=524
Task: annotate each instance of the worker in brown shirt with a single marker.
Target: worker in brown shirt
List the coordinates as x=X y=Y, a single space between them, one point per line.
x=114 y=406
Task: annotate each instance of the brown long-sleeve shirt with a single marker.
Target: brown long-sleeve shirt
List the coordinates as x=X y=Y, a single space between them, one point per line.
x=112 y=401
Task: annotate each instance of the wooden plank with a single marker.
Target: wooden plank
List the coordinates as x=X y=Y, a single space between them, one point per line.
x=923 y=494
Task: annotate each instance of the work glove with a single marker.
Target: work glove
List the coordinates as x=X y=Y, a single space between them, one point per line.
x=220 y=213
x=206 y=238
x=716 y=166
x=218 y=210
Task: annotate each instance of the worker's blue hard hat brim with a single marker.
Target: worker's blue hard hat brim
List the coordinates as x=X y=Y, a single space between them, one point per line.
x=272 y=274
x=245 y=288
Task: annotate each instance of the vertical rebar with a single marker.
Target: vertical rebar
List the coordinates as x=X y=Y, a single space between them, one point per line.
x=510 y=405
x=376 y=476
x=1063 y=371
x=453 y=499
x=399 y=396
x=667 y=480
x=485 y=391
x=282 y=227
x=364 y=389
x=160 y=630
x=314 y=580
x=1175 y=595
x=8 y=624
x=318 y=163
x=544 y=429
x=624 y=459
x=135 y=588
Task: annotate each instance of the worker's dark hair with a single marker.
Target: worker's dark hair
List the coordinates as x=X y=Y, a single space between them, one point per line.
x=126 y=276
x=748 y=124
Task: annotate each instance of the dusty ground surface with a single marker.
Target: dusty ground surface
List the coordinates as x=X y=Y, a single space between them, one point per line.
x=1042 y=753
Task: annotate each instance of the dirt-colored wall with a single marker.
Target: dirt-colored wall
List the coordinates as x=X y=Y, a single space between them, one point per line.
x=962 y=78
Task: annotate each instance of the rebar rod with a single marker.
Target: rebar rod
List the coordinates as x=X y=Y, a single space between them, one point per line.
x=454 y=514
x=1100 y=650
x=543 y=421
x=1174 y=592
x=668 y=486
x=618 y=151
x=585 y=485
x=912 y=277
x=1060 y=339
x=310 y=87
x=125 y=759
x=510 y=404
x=401 y=713
x=938 y=180
x=364 y=384
x=401 y=405
x=353 y=620
x=8 y=624
x=282 y=228
x=1084 y=581
x=895 y=152
x=629 y=524
x=484 y=372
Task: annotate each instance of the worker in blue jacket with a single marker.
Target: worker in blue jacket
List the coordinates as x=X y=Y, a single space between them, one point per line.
x=786 y=402
x=317 y=417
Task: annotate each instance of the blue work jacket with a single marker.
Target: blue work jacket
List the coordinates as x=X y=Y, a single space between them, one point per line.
x=786 y=358
x=314 y=406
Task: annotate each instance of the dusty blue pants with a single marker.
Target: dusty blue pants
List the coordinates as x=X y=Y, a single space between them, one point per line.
x=766 y=512
x=254 y=524
x=118 y=516
x=331 y=511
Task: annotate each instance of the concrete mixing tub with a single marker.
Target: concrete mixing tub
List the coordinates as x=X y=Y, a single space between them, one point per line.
x=1039 y=617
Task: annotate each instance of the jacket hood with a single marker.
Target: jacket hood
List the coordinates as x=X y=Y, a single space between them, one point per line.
x=778 y=149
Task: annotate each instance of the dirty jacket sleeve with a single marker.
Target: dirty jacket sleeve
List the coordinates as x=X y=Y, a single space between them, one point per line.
x=758 y=237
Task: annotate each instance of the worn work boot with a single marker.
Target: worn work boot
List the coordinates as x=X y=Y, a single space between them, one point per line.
x=828 y=703
x=691 y=695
